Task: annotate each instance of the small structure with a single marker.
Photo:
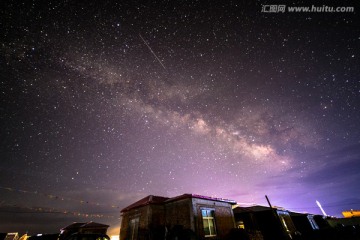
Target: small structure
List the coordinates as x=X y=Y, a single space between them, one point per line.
x=307 y=224
x=10 y=236
x=273 y=223
x=83 y=228
x=24 y=237
x=320 y=227
x=344 y=222
x=187 y=216
x=351 y=213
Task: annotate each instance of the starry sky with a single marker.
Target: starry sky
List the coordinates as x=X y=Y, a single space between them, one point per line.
x=103 y=103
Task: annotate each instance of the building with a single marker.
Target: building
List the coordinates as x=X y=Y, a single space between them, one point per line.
x=9 y=236
x=273 y=223
x=187 y=216
x=89 y=228
x=310 y=226
x=351 y=213
x=304 y=222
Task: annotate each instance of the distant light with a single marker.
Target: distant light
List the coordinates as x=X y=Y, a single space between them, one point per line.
x=114 y=237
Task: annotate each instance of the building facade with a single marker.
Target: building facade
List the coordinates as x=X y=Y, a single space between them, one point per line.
x=186 y=216
x=271 y=223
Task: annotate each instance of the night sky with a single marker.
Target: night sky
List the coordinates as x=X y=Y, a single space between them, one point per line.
x=105 y=103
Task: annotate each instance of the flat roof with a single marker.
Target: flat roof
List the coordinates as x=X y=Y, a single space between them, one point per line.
x=151 y=199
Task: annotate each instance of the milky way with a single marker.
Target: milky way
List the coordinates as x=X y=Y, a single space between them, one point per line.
x=104 y=103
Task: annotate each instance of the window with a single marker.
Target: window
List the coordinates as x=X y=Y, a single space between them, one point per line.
x=240 y=224
x=286 y=221
x=312 y=222
x=208 y=217
x=134 y=227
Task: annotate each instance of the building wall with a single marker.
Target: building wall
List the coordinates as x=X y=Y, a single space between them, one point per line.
x=178 y=213
x=224 y=218
x=143 y=214
x=156 y=221
x=302 y=224
x=178 y=219
x=271 y=226
x=335 y=222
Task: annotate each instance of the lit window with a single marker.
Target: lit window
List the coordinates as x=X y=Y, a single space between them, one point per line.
x=240 y=224
x=134 y=226
x=209 y=222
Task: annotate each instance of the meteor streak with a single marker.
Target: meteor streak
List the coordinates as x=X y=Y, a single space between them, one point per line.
x=152 y=51
x=322 y=210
